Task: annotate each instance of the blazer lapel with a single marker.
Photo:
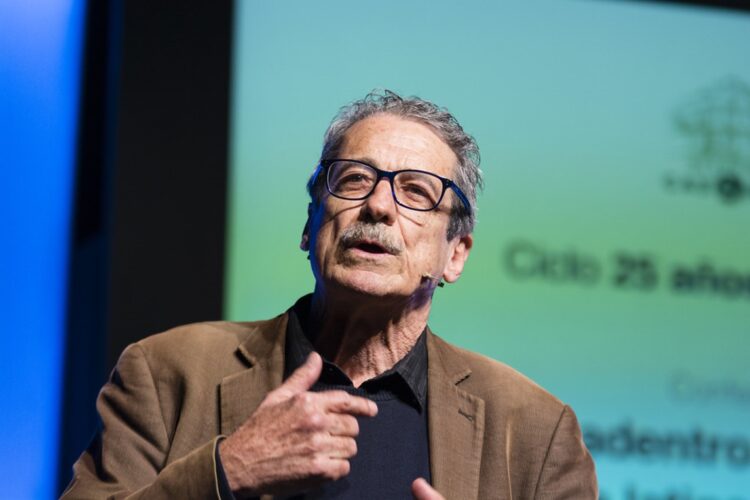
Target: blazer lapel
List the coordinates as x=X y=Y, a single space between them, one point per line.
x=241 y=393
x=456 y=424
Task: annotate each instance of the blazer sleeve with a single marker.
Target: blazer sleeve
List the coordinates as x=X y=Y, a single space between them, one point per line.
x=568 y=471
x=127 y=458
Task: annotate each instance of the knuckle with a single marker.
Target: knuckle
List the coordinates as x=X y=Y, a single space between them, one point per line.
x=313 y=420
x=305 y=404
x=307 y=448
x=317 y=441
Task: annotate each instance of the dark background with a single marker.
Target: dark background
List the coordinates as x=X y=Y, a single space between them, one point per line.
x=150 y=195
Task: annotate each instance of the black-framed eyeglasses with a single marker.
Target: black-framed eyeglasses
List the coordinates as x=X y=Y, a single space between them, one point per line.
x=412 y=189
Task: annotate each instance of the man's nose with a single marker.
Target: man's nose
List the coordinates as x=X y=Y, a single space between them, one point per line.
x=380 y=204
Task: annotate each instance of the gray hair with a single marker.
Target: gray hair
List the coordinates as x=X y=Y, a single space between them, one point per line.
x=468 y=176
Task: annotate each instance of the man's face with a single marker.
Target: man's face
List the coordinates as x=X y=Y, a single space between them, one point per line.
x=374 y=246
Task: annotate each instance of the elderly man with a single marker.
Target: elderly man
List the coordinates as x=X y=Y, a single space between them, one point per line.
x=348 y=394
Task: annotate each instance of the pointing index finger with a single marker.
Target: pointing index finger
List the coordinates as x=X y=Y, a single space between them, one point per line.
x=342 y=402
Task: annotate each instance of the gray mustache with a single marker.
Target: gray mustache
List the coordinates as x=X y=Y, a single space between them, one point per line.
x=376 y=233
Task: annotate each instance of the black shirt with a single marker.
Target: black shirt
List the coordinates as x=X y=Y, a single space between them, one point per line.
x=406 y=380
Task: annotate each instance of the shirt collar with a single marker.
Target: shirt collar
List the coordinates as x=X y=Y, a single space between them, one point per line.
x=411 y=369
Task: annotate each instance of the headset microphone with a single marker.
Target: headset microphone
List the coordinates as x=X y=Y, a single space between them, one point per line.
x=438 y=281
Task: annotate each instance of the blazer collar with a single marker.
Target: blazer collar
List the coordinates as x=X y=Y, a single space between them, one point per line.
x=455 y=423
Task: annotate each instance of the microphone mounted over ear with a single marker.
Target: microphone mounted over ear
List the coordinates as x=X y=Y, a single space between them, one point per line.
x=438 y=281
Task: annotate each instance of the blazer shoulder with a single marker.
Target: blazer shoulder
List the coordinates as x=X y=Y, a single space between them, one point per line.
x=499 y=383
x=196 y=347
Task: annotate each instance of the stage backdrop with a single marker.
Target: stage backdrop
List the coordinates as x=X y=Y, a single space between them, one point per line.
x=612 y=255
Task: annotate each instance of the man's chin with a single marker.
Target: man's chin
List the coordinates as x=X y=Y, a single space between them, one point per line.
x=370 y=283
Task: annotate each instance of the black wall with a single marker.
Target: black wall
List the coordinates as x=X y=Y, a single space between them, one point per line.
x=148 y=231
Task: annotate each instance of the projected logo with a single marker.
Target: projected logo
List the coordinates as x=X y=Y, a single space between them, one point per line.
x=715 y=123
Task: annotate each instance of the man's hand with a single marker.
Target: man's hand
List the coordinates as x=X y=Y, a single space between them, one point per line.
x=422 y=490
x=296 y=439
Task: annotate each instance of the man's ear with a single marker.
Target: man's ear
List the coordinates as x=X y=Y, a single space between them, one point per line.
x=304 y=243
x=460 y=248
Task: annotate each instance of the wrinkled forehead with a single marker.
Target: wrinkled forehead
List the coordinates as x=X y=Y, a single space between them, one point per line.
x=394 y=143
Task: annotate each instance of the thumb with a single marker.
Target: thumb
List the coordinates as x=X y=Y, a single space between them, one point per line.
x=422 y=490
x=299 y=381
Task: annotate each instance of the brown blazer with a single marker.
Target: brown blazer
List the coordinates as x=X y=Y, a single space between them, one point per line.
x=492 y=432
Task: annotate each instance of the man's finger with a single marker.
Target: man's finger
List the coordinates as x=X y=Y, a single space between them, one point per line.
x=340 y=447
x=343 y=425
x=331 y=468
x=422 y=490
x=341 y=402
x=300 y=381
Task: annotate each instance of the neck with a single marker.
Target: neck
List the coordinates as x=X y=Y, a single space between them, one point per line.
x=366 y=337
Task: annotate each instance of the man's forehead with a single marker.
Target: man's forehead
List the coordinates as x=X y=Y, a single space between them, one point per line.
x=389 y=142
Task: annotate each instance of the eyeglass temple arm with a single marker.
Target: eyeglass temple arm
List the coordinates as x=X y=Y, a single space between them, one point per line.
x=460 y=195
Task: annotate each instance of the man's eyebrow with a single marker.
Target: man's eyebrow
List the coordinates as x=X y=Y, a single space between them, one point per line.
x=364 y=159
x=374 y=163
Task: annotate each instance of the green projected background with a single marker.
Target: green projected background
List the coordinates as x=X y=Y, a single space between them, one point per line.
x=612 y=254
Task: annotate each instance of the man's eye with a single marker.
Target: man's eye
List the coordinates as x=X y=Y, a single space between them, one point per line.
x=352 y=181
x=353 y=178
x=416 y=190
